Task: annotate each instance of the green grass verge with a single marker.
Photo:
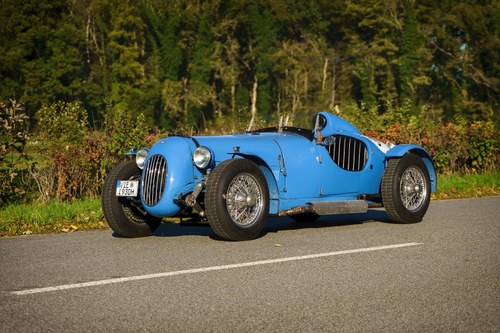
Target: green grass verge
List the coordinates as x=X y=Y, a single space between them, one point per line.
x=51 y=217
x=24 y=219
x=468 y=186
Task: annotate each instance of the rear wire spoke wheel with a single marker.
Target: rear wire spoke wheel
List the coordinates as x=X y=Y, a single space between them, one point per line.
x=237 y=200
x=126 y=216
x=412 y=189
x=405 y=189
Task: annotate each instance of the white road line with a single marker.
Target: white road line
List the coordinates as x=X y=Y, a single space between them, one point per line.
x=207 y=269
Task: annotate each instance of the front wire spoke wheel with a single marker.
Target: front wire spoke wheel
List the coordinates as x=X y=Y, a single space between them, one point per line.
x=237 y=199
x=244 y=199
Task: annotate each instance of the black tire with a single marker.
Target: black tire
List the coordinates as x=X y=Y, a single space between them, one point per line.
x=237 y=200
x=406 y=189
x=305 y=217
x=124 y=216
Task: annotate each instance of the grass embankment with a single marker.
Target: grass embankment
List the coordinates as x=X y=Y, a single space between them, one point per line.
x=25 y=219
x=87 y=214
x=468 y=186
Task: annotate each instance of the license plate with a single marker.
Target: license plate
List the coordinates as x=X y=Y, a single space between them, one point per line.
x=127 y=188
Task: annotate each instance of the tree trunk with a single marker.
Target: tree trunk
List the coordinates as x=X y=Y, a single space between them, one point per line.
x=253 y=109
x=295 y=94
x=334 y=81
x=325 y=74
x=185 y=99
x=278 y=102
x=233 y=100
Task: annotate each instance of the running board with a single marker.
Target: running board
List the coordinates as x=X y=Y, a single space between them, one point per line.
x=339 y=207
x=329 y=208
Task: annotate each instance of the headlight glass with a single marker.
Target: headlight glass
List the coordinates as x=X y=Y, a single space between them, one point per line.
x=140 y=157
x=202 y=157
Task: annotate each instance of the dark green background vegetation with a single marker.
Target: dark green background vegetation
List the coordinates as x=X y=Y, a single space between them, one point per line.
x=83 y=81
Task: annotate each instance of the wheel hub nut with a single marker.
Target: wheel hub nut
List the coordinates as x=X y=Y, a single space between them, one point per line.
x=251 y=201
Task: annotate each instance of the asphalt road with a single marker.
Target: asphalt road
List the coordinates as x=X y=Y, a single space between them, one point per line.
x=343 y=274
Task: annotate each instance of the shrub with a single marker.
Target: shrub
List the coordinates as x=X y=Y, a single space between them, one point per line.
x=69 y=160
x=74 y=160
x=13 y=158
x=459 y=146
x=124 y=131
x=62 y=123
x=62 y=129
x=483 y=146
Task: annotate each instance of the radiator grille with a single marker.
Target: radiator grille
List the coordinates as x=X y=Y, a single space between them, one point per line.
x=153 y=180
x=348 y=153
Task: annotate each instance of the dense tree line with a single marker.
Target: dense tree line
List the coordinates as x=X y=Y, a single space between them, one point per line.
x=194 y=63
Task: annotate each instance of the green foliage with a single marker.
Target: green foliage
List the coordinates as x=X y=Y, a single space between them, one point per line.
x=372 y=31
x=63 y=123
x=13 y=158
x=41 y=50
x=125 y=47
x=409 y=77
x=183 y=64
x=124 y=131
x=484 y=146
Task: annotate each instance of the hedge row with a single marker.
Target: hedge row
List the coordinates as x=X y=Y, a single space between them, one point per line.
x=66 y=159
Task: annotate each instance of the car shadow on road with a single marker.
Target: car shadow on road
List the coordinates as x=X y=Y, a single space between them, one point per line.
x=280 y=224
x=274 y=224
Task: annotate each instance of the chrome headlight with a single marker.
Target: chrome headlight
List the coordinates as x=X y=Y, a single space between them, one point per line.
x=140 y=157
x=202 y=157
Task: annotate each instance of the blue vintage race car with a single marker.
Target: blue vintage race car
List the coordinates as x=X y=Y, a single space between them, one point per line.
x=237 y=181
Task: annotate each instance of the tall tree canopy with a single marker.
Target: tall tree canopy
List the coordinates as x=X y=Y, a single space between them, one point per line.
x=190 y=63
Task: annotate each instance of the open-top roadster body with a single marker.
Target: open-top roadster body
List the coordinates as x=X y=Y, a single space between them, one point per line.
x=236 y=181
